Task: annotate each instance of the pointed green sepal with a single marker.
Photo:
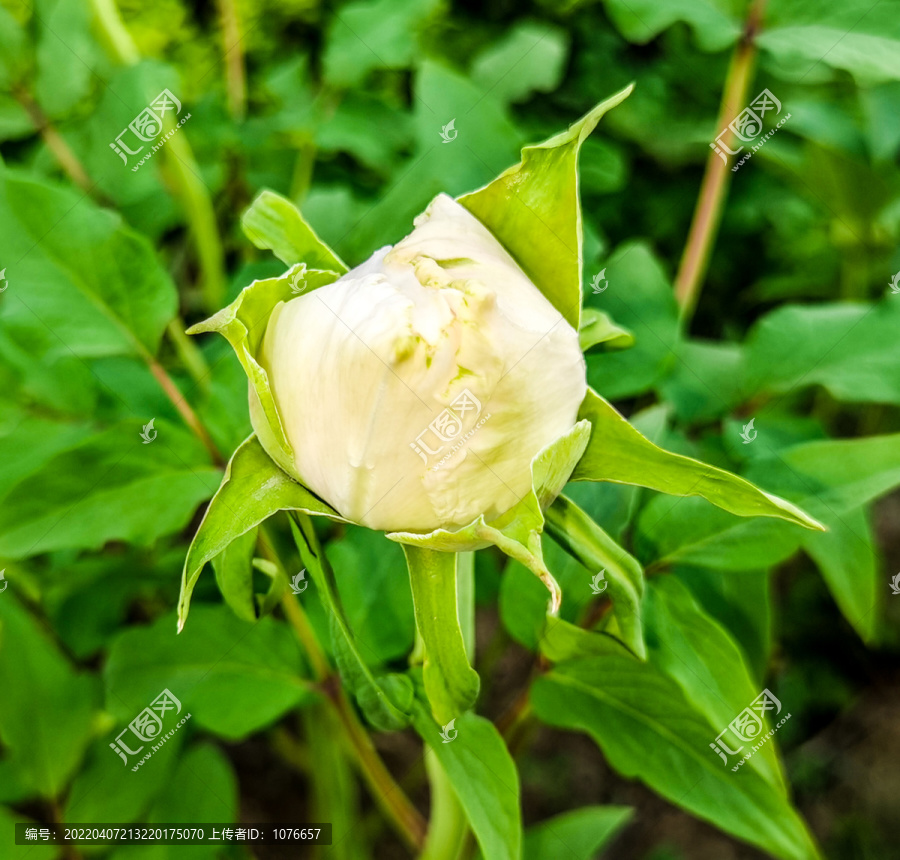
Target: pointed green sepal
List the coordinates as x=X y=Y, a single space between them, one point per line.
x=272 y=222
x=619 y=453
x=252 y=490
x=534 y=210
x=243 y=323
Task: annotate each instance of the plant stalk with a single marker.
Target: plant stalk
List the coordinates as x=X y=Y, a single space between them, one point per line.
x=708 y=211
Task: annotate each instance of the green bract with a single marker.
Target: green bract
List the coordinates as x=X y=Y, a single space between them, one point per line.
x=533 y=210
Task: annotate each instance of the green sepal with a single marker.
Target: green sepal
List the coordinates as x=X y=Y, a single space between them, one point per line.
x=598 y=328
x=243 y=323
x=273 y=223
x=534 y=210
x=617 y=452
x=451 y=684
x=585 y=541
x=252 y=490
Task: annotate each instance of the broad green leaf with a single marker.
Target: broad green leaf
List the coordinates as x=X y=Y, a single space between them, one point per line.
x=243 y=324
x=598 y=328
x=618 y=452
x=233 y=678
x=700 y=655
x=599 y=553
x=64 y=68
x=577 y=835
x=373 y=583
x=706 y=380
x=88 y=803
x=109 y=487
x=640 y=298
x=741 y=602
x=648 y=730
x=451 y=683
x=859 y=38
x=47 y=708
x=252 y=490
x=716 y=24
x=561 y=641
x=274 y=223
x=365 y=36
x=484 y=777
x=851 y=349
x=847 y=557
x=534 y=210
x=93 y=282
x=385 y=699
x=526 y=58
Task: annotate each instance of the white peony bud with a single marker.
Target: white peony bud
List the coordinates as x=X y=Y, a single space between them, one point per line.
x=416 y=390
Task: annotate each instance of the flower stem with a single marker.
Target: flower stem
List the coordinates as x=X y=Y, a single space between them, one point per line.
x=708 y=211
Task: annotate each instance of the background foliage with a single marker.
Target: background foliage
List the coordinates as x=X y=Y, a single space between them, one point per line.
x=340 y=108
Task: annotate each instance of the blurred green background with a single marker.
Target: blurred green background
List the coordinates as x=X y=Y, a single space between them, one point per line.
x=341 y=107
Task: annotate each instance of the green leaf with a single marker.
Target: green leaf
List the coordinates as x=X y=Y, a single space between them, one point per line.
x=483 y=775
x=243 y=324
x=364 y=36
x=577 y=835
x=47 y=708
x=851 y=349
x=374 y=591
x=274 y=223
x=617 y=452
x=561 y=641
x=716 y=24
x=597 y=328
x=526 y=58
x=859 y=38
x=94 y=283
x=598 y=552
x=707 y=380
x=109 y=487
x=847 y=557
x=234 y=575
x=640 y=298
x=648 y=730
x=386 y=699
x=233 y=679
x=252 y=490
x=451 y=683
x=534 y=210
x=64 y=68
x=700 y=655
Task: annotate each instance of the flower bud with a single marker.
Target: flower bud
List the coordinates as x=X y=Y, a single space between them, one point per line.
x=416 y=389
